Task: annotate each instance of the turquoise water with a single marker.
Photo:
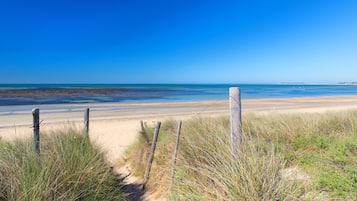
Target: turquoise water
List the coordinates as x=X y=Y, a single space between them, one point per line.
x=35 y=94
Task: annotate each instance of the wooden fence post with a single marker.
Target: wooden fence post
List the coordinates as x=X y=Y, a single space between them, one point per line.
x=175 y=153
x=151 y=154
x=236 y=118
x=86 y=122
x=143 y=132
x=36 y=128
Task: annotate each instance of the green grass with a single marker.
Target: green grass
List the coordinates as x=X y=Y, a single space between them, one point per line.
x=69 y=168
x=321 y=146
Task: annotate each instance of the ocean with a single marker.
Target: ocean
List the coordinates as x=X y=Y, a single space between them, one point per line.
x=38 y=94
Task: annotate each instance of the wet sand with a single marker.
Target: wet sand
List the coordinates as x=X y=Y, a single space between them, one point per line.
x=115 y=126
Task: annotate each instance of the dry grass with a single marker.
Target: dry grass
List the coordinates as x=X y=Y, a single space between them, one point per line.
x=305 y=144
x=208 y=171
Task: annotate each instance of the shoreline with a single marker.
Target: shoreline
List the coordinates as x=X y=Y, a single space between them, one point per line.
x=21 y=115
x=106 y=106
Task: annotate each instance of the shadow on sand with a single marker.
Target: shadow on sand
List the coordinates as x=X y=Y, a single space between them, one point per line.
x=133 y=189
x=134 y=192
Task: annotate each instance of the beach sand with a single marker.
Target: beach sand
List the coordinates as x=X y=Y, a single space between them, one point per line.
x=115 y=126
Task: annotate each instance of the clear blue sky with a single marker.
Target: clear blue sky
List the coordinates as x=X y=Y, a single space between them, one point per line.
x=128 y=41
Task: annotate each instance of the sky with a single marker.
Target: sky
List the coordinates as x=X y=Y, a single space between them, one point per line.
x=178 y=41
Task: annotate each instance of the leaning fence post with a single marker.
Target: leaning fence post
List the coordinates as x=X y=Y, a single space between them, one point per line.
x=86 y=122
x=236 y=118
x=175 y=153
x=151 y=154
x=36 y=128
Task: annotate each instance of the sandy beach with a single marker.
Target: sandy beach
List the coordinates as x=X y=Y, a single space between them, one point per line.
x=114 y=126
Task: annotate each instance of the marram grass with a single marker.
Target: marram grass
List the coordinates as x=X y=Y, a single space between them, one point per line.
x=323 y=147
x=69 y=168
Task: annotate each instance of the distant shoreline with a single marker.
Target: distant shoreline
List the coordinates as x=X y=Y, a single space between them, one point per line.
x=318 y=83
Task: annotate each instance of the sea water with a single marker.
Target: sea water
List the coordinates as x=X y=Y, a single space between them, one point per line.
x=37 y=94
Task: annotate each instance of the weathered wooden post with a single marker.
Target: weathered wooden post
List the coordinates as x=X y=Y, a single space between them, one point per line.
x=143 y=132
x=175 y=153
x=142 y=126
x=86 y=122
x=236 y=118
x=151 y=154
x=36 y=128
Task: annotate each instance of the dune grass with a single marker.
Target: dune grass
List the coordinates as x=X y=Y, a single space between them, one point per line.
x=69 y=168
x=282 y=157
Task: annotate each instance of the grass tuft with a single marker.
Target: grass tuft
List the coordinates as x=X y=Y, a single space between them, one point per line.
x=69 y=168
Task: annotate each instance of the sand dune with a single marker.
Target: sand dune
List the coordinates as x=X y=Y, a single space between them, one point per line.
x=115 y=126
